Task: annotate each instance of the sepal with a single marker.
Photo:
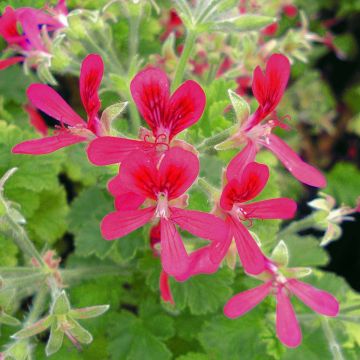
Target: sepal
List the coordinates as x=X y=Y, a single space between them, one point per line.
x=241 y=107
x=280 y=254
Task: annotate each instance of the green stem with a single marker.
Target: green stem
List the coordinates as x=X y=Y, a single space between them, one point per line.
x=208 y=188
x=134 y=22
x=296 y=226
x=74 y=275
x=25 y=281
x=350 y=308
x=354 y=319
x=134 y=115
x=210 y=142
x=330 y=336
x=14 y=230
x=180 y=70
x=37 y=306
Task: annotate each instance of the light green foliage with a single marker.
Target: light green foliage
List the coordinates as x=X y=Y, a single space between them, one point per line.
x=142 y=336
x=203 y=293
x=85 y=219
x=344 y=173
x=214 y=118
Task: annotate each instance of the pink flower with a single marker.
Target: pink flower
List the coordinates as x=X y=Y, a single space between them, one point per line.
x=166 y=116
x=172 y=24
x=50 y=102
x=29 y=42
x=36 y=120
x=161 y=186
x=246 y=180
x=268 y=88
x=290 y=11
x=287 y=326
x=164 y=284
x=271 y=29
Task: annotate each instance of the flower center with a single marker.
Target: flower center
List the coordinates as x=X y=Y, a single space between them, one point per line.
x=162 y=208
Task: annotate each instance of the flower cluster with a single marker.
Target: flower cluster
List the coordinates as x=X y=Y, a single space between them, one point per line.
x=27 y=32
x=157 y=170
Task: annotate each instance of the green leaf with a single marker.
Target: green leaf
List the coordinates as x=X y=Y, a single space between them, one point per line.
x=225 y=339
x=8 y=252
x=132 y=340
x=85 y=222
x=203 y=293
x=305 y=251
x=48 y=223
x=79 y=169
x=193 y=356
x=343 y=173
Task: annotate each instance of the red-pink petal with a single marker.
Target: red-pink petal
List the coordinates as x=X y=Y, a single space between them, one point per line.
x=50 y=102
x=106 y=150
x=47 y=145
x=269 y=88
x=128 y=201
x=150 y=91
x=165 y=289
x=318 y=300
x=277 y=73
x=116 y=187
x=178 y=170
x=200 y=263
x=5 y=63
x=241 y=303
x=281 y=208
x=174 y=258
x=253 y=180
x=304 y=172
x=31 y=29
x=287 y=326
x=91 y=73
x=219 y=249
x=206 y=226
x=121 y=223
x=240 y=161
x=185 y=108
x=36 y=120
x=251 y=257
x=138 y=173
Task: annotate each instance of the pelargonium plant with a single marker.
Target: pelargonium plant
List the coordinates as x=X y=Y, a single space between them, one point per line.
x=155 y=232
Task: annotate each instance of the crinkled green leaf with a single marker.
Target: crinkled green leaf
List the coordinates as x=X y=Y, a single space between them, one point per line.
x=225 y=339
x=131 y=339
x=203 y=293
x=305 y=251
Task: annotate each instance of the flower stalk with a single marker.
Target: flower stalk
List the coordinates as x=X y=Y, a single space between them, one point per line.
x=185 y=55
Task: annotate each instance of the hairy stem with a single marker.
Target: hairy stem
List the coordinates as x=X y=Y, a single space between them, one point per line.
x=134 y=22
x=296 y=226
x=11 y=228
x=212 y=141
x=330 y=336
x=38 y=306
x=91 y=272
x=180 y=70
